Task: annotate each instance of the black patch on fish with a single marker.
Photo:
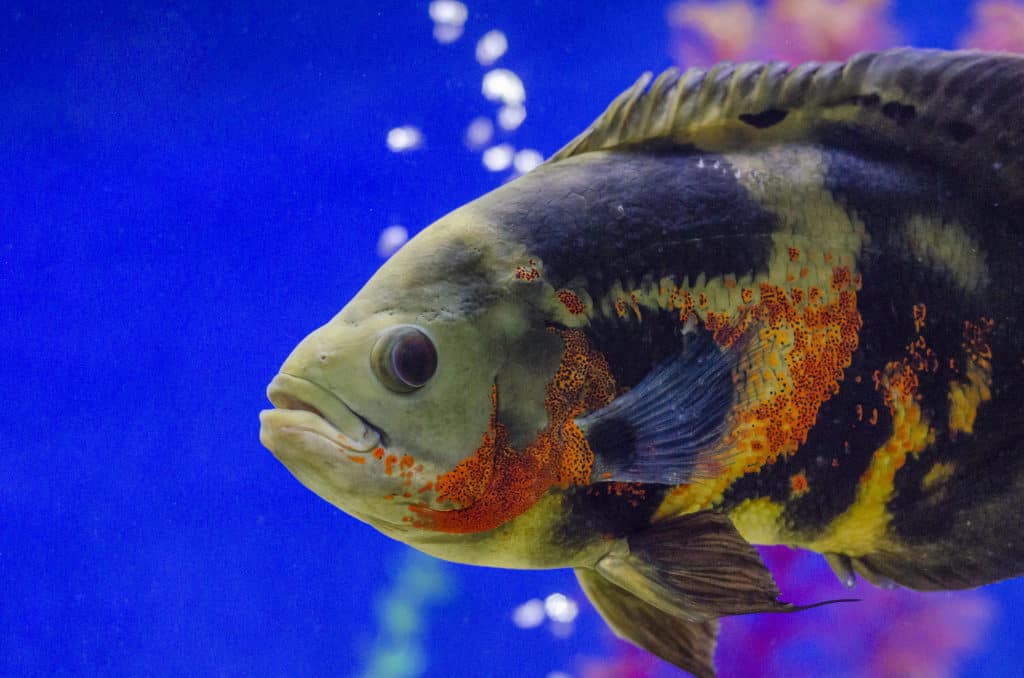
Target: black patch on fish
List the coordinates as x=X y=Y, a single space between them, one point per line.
x=960 y=131
x=671 y=423
x=987 y=465
x=866 y=100
x=638 y=214
x=634 y=347
x=613 y=440
x=608 y=509
x=764 y=119
x=901 y=114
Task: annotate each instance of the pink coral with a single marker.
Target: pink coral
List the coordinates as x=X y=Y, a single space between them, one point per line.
x=706 y=32
x=793 y=30
x=998 y=26
x=827 y=30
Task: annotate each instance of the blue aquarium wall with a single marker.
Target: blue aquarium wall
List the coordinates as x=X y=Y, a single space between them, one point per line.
x=186 y=190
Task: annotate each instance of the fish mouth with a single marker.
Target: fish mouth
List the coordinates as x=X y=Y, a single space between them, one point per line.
x=305 y=407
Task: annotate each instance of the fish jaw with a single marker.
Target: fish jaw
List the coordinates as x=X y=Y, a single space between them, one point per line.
x=322 y=442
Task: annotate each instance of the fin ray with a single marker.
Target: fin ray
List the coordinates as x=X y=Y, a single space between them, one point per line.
x=695 y=567
x=667 y=428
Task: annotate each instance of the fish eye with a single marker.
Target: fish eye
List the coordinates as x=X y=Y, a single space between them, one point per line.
x=404 y=358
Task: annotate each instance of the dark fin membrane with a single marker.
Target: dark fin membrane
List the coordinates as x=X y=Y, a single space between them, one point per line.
x=671 y=423
x=696 y=567
x=687 y=644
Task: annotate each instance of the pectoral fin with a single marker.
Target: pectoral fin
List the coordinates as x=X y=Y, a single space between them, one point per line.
x=695 y=567
x=669 y=427
x=689 y=645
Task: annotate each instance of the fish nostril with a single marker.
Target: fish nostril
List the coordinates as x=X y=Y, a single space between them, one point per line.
x=323 y=357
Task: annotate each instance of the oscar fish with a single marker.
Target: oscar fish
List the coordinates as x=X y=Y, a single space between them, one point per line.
x=753 y=304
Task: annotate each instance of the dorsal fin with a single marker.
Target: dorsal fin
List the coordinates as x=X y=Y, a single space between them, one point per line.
x=961 y=110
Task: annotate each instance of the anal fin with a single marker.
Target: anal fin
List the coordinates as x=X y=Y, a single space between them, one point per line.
x=694 y=567
x=690 y=645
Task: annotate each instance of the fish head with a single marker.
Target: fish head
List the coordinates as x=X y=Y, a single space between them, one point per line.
x=376 y=406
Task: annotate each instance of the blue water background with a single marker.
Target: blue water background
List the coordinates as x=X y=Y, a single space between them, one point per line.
x=186 y=189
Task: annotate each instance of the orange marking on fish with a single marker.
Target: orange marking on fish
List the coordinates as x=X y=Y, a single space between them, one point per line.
x=572 y=302
x=426 y=488
x=498 y=482
x=841 y=278
x=798 y=484
x=389 y=464
x=804 y=271
x=634 y=304
x=702 y=301
x=824 y=339
x=828 y=257
x=920 y=311
x=976 y=339
x=747 y=295
x=685 y=306
x=358 y=460
x=378 y=453
x=529 y=272
x=794 y=253
x=620 y=307
x=406 y=463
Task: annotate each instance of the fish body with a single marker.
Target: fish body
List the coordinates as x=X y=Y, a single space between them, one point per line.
x=754 y=305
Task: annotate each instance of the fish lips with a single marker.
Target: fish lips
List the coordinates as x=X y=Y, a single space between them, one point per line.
x=307 y=412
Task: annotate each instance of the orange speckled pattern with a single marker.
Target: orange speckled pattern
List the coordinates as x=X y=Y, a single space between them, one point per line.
x=799 y=341
x=529 y=272
x=817 y=341
x=798 y=484
x=498 y=482
x=572 y=302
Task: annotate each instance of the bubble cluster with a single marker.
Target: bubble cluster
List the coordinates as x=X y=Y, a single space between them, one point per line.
x=489 y=134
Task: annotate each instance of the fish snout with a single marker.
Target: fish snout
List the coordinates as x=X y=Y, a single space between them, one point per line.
x=305 y=405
